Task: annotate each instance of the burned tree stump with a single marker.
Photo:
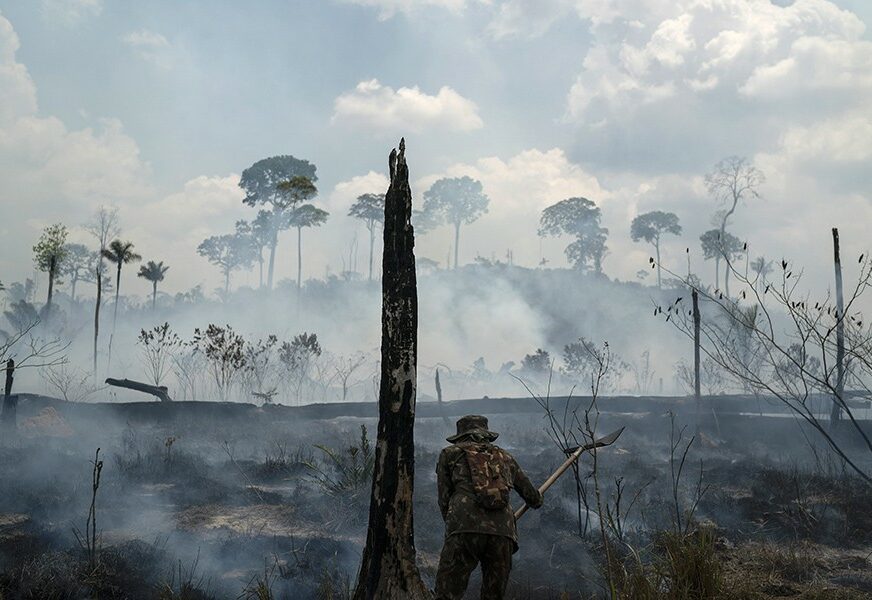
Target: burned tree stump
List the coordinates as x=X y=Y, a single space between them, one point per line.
x=10 y=402
x=388 y=570
x=159 y=392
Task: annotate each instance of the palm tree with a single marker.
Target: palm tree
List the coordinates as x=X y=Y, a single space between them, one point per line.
x=153 y=272
x=120 y=253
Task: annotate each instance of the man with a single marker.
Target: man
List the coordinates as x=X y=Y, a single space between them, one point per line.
x=474 y=478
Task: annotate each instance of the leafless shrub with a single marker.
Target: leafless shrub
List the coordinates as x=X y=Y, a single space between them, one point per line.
x=297 y=356
x=784 y=344
x=188 y=366
x=72 y=384
x=260 y=376
x=158 y=346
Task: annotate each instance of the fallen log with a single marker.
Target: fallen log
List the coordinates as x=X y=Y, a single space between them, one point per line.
x=158 y=391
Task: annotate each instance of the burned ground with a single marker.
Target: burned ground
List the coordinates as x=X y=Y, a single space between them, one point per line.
x=227 y=501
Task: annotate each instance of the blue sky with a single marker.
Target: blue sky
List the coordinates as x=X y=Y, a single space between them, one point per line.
x=156 y=107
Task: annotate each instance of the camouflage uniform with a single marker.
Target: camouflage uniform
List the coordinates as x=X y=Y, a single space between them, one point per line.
x=474 y=534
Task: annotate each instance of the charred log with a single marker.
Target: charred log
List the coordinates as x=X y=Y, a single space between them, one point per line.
x=159 y=392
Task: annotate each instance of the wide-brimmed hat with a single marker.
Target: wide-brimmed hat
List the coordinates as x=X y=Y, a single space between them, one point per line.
x=472 y=424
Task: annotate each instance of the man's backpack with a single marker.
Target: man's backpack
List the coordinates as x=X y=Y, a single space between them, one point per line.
x=488 y=466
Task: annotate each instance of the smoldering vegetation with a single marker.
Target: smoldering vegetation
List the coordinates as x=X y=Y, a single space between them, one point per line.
x=485 y=322
x=260 y=502
x=239 y=488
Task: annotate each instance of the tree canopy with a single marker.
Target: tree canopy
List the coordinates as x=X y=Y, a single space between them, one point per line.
x=307 y=215
x=369 y=208
x=650 y=226
x=228 y=252
x=719 y=246
x=580 y=218
x=153 y=271
x=732 y=180
x=260 y=181
x=51 y=249
x=120 y=253
x=455 y=201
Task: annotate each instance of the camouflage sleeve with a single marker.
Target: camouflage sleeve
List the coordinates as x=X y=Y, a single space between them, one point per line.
x=444 y=487
x=526 y=489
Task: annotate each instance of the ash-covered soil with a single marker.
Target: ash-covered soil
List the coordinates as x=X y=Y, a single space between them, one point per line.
x=232 y=501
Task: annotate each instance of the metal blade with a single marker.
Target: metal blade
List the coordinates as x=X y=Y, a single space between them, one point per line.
x=606 y=440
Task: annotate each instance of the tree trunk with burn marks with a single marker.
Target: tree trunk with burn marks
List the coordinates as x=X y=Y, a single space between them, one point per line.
x=388 y=570
x=836 y=411
x=10 y=402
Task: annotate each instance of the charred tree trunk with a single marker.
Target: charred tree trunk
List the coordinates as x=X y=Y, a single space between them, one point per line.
x=10 y=402
x=456 y=243
x=260 y=268
x=114 y=314
x=272 y=258
x=299 y=258
x=696 y=381
x=388 y=570
x=836 y=412
x=52 y=266
x=717 y=272
x=439 y=400
x=97 y=315
x=159 y=392
x=371 y=245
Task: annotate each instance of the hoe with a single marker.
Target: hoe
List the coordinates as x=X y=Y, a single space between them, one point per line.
x=574 y=456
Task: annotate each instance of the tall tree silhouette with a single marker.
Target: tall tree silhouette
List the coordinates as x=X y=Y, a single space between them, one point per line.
x=720 y=246
x=579 y=218
x=77 y=266
x=650 y=226
x=153 y=272
x=298 y=190
x=119 y=253
x=453 y=201
x=259 y=235
x=732 y=180
x=369 y=208
x=49 y=254
x=104 y=227
x=228 y=252
x=261 y=185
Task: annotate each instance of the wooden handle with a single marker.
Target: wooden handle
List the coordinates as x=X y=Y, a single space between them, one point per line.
x=606 y=441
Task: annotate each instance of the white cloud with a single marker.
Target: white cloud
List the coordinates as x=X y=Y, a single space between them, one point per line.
x=526 y=18
x=51 y=173
x=814 y=64
x=388 y=8
x=749 y=49
x=346 y=192
x=171 y=228
x=71 y=12
x=17 y=91
x=150 y=46
x=376 y=106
